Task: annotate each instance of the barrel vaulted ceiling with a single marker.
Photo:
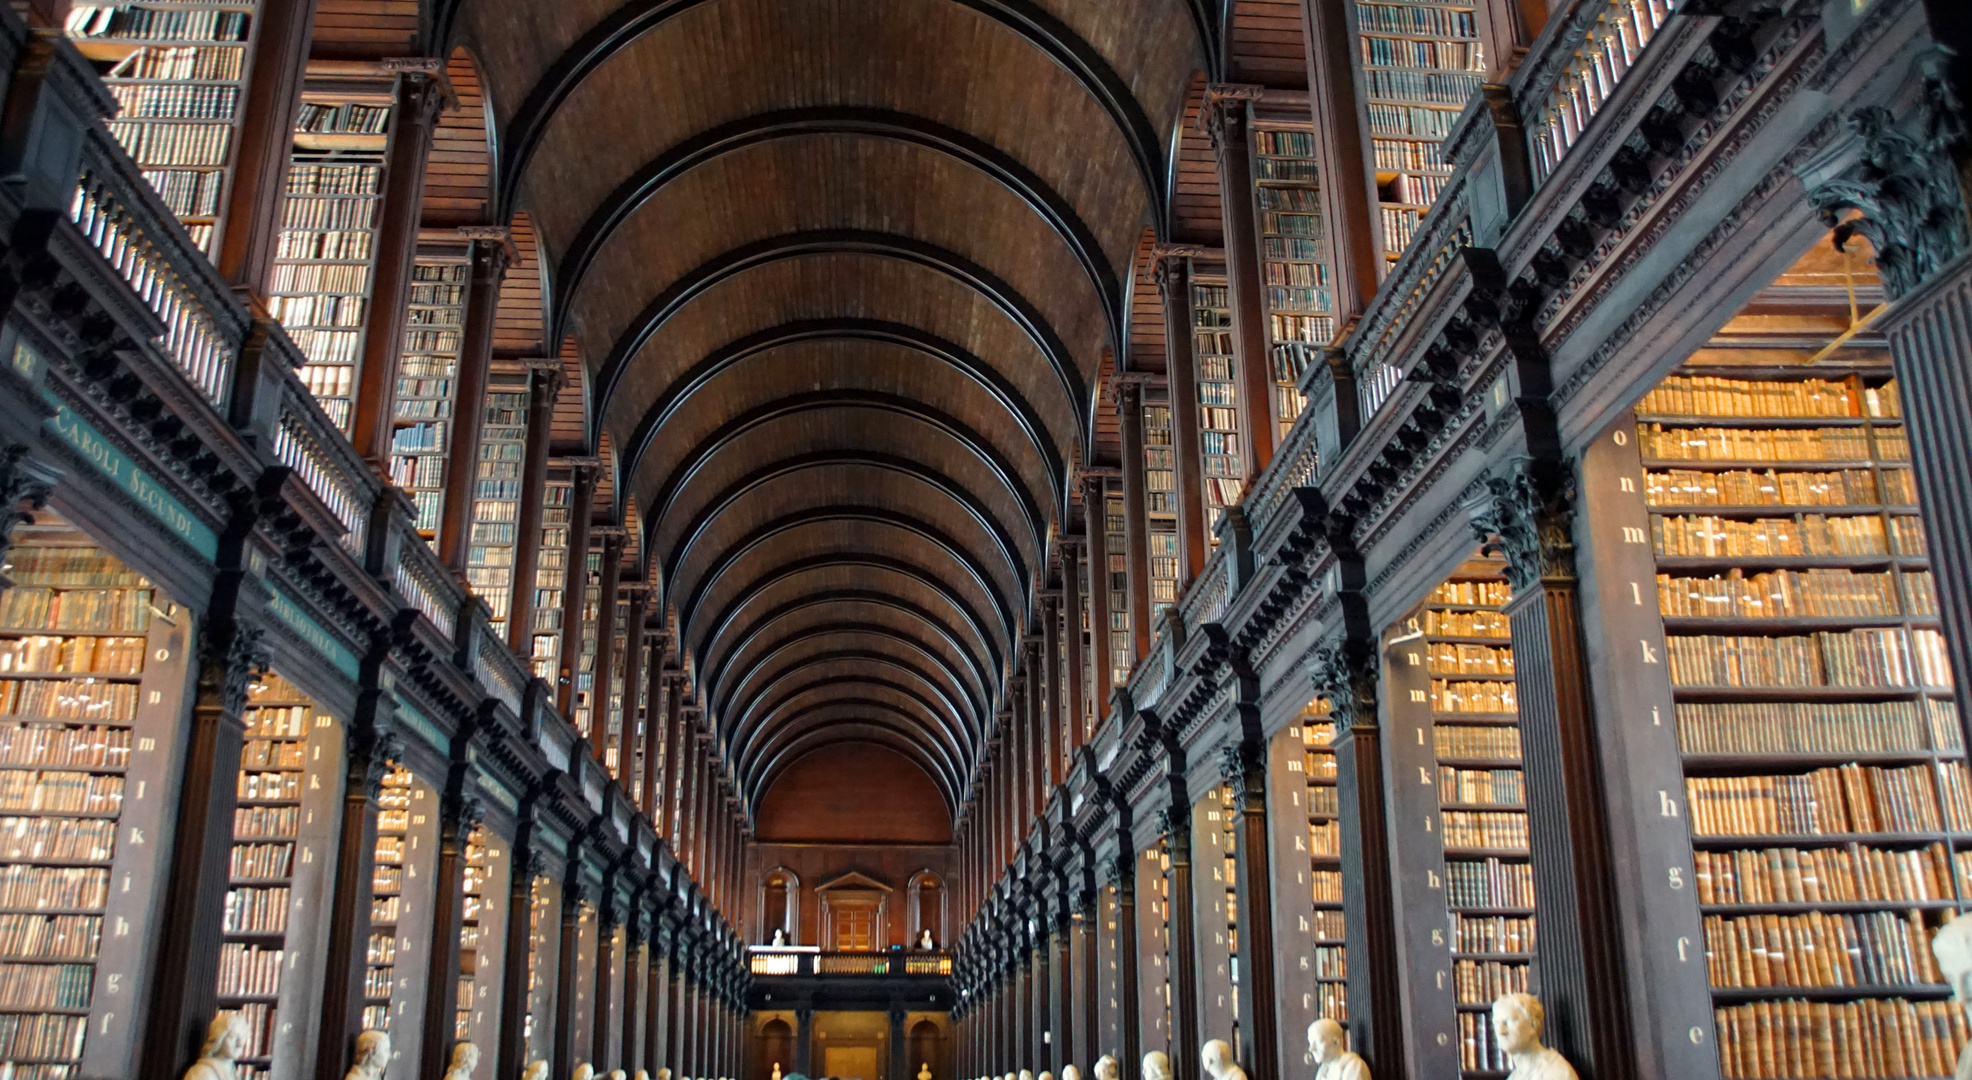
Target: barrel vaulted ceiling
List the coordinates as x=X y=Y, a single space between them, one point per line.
x=842 y=275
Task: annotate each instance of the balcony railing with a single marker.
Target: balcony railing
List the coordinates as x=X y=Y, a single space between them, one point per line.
x=808 y=960
x=1612 y=37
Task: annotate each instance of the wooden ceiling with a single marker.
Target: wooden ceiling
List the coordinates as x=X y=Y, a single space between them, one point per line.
x=844 y=278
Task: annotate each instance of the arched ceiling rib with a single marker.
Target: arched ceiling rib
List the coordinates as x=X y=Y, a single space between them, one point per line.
x=841 y=278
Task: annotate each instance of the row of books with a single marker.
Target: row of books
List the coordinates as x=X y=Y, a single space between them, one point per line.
x=1886 y=1038
x=328 y=213
x=319 y=310
x=1472 y=593
x=1418 y=121
x=1303 y=275
x=181 y=63
x=1476 y=743
x=1769 y=444
x=320 y=278
x=1437 y=87
x=1325 y=838
x=259 y=1018
x=1478 y=1047
x=1306 y=200
x=1848 y=874
x=1504 y=830
x=54 y=886
x=1481 y=982
x=70 y=568
x=27 y=839
x=116 y=21
x=153 y=144
x=1488 y=883
x=1869 y=658
x=101 y=611
x=1448 y=696
x=1481 y=624
x=1714 y=395
x=268 y=786
x=68 y=699
x=1492 y=934
x=1399 y=228
x=51 y=937
x=1331 y=962
x=261 y=861
x=1481 y=787
x=249 y=970
x=266 y=821
x=1445 y=658
x=42 y=1035
x=46 y=986
x=1815 y=727
x=1430 y=20
x=60 y=792
x=340 y=245
x=141 y=101
x=1706 y=536
x=188 y=193
x=1781 y=594
x=1875 y=948
x=272 y=754
x=1286 y=170
x=1832 y=801
x=94 y=746
x=330 y=376
x=1402 y=154
x=1772 y=487
x=341 y=118
x=43 y=653
x=256 y=911
x=1443 y=55
x=1417 y=189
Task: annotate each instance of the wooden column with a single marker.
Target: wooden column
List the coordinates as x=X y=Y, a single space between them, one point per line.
x=674 y=1004
x=1075 y=709
x=575 y=580
x=1054 y=710
x=657 y=729
x=1350 y=215
x=1244 y=765
x=1183 y=944
x=184 y=986
x=600 y=740
x=1061 y=988
x=674 y=736
x=1225 y=114
x=489 y=269
x=1173 y=272
x=459 y=811
x=1095 y=504
x=1124 y=881
x=609 y=919
x=370 y=753
x=657 y=982
x=1136 y=542
x=517 y=954
x=804 y=1039
x=634 y=717
x=421 y=92
x=899 y=1068
x=572 y=899
x=250 y=233
x=636 y=958
x=544 y=383
x=1088 y=927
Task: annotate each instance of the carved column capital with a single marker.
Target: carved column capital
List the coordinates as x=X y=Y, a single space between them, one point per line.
x=1223 y=112
x=1345 y=673
x=1526 y=513
x=229 y=663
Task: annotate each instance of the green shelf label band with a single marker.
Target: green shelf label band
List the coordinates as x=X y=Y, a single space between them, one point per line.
x=135 y=482
x=311 y=631
x=411 y=718
x=499 y=793
x=554 y=840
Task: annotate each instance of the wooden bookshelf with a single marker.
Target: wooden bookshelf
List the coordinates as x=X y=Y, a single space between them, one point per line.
x=387 y=896
x=1323 y=812
x=1154 y=948
x=177 y=71
x=322 y=277
x=473 y=928
x=548 y=578
x=1421 y=63
x=583 y=697
x=1222 y=446
x=92 y=674
x=614 y=696
x=1122 y=650
x=496 y=497
x=1295 y=259
x=1160 y=505
x=427 y=378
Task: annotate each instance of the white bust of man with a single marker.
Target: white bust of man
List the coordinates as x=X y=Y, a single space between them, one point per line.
x=1107 y=1068
x=663 y=1072
x=585 y=1071
x=1328 y=1045
x=226 y=1038
x=465 y=1058
x=1068 y=1072
x=372 y=1054
x=1044 y=1075
x=618 y=1074
x=1157 y=1066
x=1217 y=1057
x=1952 y=945
x=537 y=1070
x=1026 y=1074
x=642 y=1075
x=1517 y=1023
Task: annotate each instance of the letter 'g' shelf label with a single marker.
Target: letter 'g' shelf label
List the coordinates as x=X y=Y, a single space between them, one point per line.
x=105 y=458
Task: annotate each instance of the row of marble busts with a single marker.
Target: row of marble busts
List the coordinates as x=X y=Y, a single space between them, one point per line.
x=1518 y=1020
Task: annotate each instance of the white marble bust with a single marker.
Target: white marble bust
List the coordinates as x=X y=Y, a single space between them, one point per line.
x=372 y=1054
x=465 y=1058
x=1952 y=945
x=1026 y=1074
x=226 y=1038
x=537 y=1070
x=663 y=1072
x=1517 y=1023
x=1107 y=1068
x=1068 y=1072
x=1157 y=1066
x=1328 y=1045
x=618 y=1074
x=642 y=1075
x=1044 y=1075
x=1217 y=1058
x=585 y=1071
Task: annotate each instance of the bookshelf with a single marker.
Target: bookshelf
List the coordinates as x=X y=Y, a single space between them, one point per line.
x=320 y=289
x=1218 y=400
x=496 y=497
x=387 y=896
x=1822 y=761
x=548 y=578
x=177 y=71
x=1122 y=648
x=475 y=929
x=1154 y=947
x=583 y=694
x=615 y=743
x=543 y=923
x=1421 y=63
x=1294 y=259
x=1317 y=734
x=92 y=675
x=1160 y=505
x=427 y=375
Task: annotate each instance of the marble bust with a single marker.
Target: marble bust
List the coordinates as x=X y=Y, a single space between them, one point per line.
x=663 y=1072
x=924 y=1067
x=1026 y=1074
x=585 y=1071
x=1068 y=1072
x=1328 y=1045
x=537 y=1070
x=618 y=1074
x=1107 y=1068
x=372 y=1054
x=1517 y=1023
x=1952 y=945
x=1044 y=1075
x=1217 y=1058
x=465 y=1058
x=1157 y=1066
x=226 y=1038
x=642 y=1075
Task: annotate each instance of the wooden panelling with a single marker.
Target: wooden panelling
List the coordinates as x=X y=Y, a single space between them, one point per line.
x=456 y=172
x=1195 y=185
x=517 y=327
x=1267 y=46
x=856 y=792
x=365 y=29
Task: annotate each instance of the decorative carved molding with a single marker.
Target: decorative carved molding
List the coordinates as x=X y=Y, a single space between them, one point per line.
x=228 y=663
x=1528 y=516
x=1345 y=673
x=22 y=480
